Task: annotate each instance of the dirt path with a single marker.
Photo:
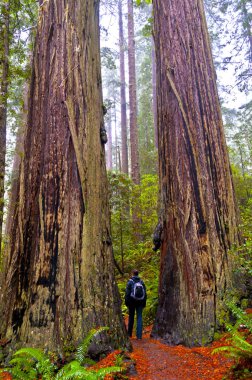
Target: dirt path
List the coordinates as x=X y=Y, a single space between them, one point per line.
x=157 y=361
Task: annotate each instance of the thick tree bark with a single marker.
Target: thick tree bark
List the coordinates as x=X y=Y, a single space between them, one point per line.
x=124 y=140
x=59 y=279
x=198 y=206
x=154 y=92
x=4 y=72
x=135 y=169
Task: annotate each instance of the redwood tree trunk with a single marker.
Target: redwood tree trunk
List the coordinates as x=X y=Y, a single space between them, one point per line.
x=59 y=280
x=198 y=206
x=135 y=169
x=4 y=71
x=125 y=164
x=154 y=92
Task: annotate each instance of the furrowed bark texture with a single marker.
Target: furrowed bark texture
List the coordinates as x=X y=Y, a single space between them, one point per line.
x=198 y=205
x=124 y=139
x=135 y=169
x=59 y=279
x=4 y=72
x=154 y=92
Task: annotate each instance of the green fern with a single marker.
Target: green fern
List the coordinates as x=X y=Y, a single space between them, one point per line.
x=106 y=371
x=82 y=350
x=239 y=347
x=74 y=370
x=33 y=353
x=29 y=363
x=32 y=363
x=21 y=369
x=241 y=317
x=19 y=374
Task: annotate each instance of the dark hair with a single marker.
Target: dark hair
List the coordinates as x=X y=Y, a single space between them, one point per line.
x=135 y=272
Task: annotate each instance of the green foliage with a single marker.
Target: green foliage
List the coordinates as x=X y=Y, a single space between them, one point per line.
x=140 y=2
x=74 y=370
x=242 y=255
x=32 y=363
x=125 y=197
x=239 y=347
x=82 y=350
x=129 y=252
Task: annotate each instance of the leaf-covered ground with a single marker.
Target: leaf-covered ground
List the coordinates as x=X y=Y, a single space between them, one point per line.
x=157 y=361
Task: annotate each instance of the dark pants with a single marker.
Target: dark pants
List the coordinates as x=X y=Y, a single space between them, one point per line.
x=139 y=328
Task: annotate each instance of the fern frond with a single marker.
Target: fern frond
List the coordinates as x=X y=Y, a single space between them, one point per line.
x=229 y=351
x=73 y=370
x=74 y=365
x=241 y=316
x=34 y=353
x=21 y=361
x=82 y=349
x=20 y=374
x=106 y=371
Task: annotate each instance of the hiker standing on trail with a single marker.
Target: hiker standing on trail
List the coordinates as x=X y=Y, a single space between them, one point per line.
x=135 y=300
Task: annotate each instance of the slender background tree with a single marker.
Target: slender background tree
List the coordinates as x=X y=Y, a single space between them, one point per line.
x=135 y=169
x=124 y=137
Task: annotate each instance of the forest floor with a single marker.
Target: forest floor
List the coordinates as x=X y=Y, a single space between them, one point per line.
x=155 y=360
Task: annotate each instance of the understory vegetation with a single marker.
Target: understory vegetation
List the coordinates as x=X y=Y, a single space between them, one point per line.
x=33 y=363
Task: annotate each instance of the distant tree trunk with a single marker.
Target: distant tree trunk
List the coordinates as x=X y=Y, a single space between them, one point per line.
x=59 y=280
x=197 y=198
x=154 y=92
x=19 y=151
x=125 y=164
x=4 y=71
x=109 y=144
x=135 y=169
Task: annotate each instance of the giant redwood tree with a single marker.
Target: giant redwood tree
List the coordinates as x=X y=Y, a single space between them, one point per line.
x=59 y=279
x=198 y=206
x=4 y=73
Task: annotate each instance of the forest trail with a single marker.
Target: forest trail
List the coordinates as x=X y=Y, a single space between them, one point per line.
x=157 y=361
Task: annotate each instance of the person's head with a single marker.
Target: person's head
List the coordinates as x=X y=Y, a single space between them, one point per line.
x=135 y=272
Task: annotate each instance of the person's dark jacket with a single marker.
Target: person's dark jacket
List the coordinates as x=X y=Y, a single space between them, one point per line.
x=128 y=299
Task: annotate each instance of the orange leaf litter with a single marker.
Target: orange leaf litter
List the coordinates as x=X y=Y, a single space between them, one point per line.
x=157 y=361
